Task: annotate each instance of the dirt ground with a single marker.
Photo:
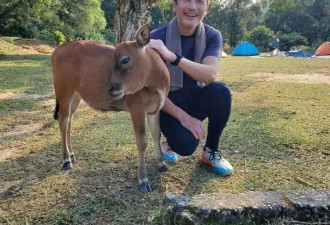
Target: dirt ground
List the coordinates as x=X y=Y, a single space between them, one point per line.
x=309 y=78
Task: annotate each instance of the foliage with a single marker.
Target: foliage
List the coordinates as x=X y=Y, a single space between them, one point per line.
x=282 y=5
x=161 y=14
x=109 y=8
x=42 y=18
x=309 y=49
x=54 y=38
x=95 y=19
x=109 y=36
x=311 y=21
x=261 y=37
x=287 y=41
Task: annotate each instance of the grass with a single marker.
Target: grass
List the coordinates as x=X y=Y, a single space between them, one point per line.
x=277 y=139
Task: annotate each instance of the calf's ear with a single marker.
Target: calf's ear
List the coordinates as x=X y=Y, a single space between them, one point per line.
x=143 y=36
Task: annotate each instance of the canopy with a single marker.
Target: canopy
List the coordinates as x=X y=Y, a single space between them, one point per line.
x=245 y=49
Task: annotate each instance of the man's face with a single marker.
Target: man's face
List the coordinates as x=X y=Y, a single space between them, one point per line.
x=190 y=12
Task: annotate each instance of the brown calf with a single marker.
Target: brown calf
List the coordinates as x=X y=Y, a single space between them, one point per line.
x=128 y=77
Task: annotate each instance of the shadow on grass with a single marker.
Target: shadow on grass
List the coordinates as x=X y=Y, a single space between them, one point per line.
x=27 y=170
x=103 y=191
x=34 y=57
x=11 y=105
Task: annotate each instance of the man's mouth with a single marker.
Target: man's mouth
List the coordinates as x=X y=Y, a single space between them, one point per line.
x=190 y=15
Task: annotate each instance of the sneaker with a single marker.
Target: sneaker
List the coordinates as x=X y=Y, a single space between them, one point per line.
x=217 y=162
x=167 y=152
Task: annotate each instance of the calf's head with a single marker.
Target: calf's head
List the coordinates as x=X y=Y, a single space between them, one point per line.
x=128 y=75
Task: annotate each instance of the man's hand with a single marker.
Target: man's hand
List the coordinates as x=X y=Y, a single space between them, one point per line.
x=194 y=125
x=159 y=46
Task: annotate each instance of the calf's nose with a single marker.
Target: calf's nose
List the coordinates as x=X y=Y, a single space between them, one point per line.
x=110 y=88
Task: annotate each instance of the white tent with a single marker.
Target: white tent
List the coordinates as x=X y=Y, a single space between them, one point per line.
x=276 y=53
x=223 y=54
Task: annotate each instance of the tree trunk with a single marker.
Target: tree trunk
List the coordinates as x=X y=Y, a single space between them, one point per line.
x=130 y=15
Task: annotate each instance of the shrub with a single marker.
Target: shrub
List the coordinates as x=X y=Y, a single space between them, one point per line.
x=59 y=37
x=95 y=35
x=109 y=36
x=53 y=38
x=261 y=37
x=309 y=49
x=288 y=41
x=228 y=49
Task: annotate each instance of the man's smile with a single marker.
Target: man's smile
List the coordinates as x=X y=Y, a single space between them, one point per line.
x=190 y=15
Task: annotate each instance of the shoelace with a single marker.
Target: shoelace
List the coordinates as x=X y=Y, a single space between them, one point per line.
x=216 y=155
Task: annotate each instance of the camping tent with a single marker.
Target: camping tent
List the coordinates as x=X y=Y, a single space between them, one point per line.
x=223 y=54
x=276 y=53
x=299 y=54
x=245 y=48
x=324 y=49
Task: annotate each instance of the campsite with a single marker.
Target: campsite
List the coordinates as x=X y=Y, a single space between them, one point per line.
x=277 y=136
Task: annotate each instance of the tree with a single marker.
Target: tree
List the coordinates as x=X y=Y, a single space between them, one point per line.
x=261 y=36
x=130 y=15
x=236 y=17
x=287 y=41
x=109 y=7
x=161 y=14
x=76 y=19
x=309 y=18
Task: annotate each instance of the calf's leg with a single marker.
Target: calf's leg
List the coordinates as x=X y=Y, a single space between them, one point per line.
x=74 y=105
x=153 y=122
x=64 y=114
x=137 y=112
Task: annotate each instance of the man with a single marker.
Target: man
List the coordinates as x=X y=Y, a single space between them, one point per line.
x=192 y=51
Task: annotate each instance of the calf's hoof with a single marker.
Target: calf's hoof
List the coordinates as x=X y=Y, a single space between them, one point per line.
x=144 y=187
x=163 y=168
x=67 y=166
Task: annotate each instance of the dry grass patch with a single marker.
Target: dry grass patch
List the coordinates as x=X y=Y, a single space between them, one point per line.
x=309 y=78
x=26 y=46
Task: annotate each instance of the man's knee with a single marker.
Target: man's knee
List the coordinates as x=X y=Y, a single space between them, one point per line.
x=219 y=89
x=184 y=146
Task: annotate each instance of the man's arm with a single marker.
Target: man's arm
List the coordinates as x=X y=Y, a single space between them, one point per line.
x=195 y=126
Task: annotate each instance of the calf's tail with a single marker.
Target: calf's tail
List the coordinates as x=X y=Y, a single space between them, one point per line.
x=57 y=108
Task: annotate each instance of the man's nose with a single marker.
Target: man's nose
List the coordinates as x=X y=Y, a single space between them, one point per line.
x=192 y=5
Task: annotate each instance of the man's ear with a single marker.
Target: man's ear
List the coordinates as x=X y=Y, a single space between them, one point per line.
x=143 y=36
x=174 y=7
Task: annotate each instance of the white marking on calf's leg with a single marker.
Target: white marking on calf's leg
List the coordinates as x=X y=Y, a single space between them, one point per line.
x=153 y=122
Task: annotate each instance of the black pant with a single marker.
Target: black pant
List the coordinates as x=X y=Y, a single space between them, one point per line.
x=213 y=102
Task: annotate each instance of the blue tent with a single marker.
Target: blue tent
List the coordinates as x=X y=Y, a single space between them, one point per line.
x=299 y=54
x=245 y=49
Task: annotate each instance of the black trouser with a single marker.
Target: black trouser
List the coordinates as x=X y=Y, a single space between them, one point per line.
x=213 y=102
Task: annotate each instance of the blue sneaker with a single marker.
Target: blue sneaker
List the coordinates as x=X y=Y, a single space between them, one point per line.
x=167 y=152
x=217 y=162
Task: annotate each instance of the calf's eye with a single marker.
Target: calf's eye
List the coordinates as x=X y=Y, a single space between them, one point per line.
x=125 y=60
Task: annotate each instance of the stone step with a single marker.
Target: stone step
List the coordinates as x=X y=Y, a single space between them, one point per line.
x=253 y=207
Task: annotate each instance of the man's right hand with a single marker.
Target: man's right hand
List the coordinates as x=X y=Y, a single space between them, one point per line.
x=159 y=46
x=195 y=126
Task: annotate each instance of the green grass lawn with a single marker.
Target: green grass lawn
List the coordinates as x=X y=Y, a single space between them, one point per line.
x=277 y=139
